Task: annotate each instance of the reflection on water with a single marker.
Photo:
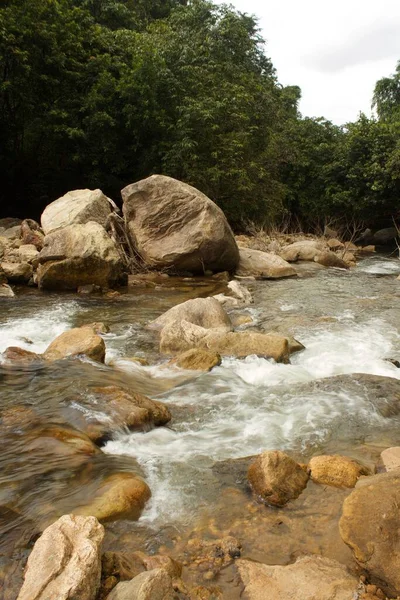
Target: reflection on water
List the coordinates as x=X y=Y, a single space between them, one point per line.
x=348 y=322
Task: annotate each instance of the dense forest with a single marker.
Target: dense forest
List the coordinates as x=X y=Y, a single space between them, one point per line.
x=100 y=93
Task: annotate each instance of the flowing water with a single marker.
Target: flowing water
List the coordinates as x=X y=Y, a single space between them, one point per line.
x=348 y=322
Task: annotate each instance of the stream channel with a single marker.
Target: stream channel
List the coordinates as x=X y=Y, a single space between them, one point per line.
x=348 y=321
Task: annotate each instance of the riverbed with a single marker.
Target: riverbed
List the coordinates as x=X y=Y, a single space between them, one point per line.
x=348 y=322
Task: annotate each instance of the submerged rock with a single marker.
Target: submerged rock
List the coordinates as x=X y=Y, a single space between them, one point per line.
x=76 y=207
x=173 y=225
x=338 y=471
x=65 y=562
x=151 y=585
x=263 y=265
x=197 y=359
x=370 y=526
x=309 y=578
x=79 y=255
x=75 y=342
x=276 y=478
x=244 y=343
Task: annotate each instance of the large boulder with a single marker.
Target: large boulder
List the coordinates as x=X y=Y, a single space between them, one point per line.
x=335 y=470
x=173 y=225
x=180 y=336
x=309 y=578
x=79 y=255
x=75 y=342
x=151 y=585
x=76 y=207
x=303 y=250
x=263 y=265
x=276 y=478
x=203 y=312
x=370 y=525
x=65 y=562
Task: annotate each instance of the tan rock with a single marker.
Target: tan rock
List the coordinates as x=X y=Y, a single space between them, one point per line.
x=14 y=354
x=276 y=478
x=370 y=525
x=76 y=207
x=303 y=250
x=162 y=561
x=65 y=561
x=120 y=496
x=334 y=244
x=391 y=458
x=338 y=471
x=239 y=320
x=123 y=565
x=151 y=585
x=203 y=312
x=20 y=272
x=180 y=336
x=263 y=265
x=309 y=578
x=330 y=259
x=81 y=340
x=244 y=343
x=78 y=255
x=366 y=249
x=28 y=253
x=6 y=291
x=197 y=359
x=174 y=225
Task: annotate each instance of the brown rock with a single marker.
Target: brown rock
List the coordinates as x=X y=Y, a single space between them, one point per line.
x=19 y=272
x=370 y=525
x=6 y=291
x=173 y=225
x=76 y=207
x=338 y=471
x=31 y=234
x=391 y=458
x=14 y=354
x=303 y=250
x=151 y=585
x=203 y=312
x=180 y=336
x=65 y=561
x=263 y=265
x=81 y=340
x=334 y=244
x=309 y=578
x=276 y=478
x=244 y=343
x=197 y=359
x=330 y=259
x=120 y=496
x=123 y=565
x=160 y=561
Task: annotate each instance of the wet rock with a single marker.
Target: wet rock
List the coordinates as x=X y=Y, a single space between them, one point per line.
x=197 y=359
x=303 y=250
x=263 y=265
x=203 y=312
x=65 y=561
x=14 y=354
x=175 y=226
x=75 y=342
x=350 y=259
x=79 y=255
x=76 y=207
x=370 y=526
x=159 y=561
x=31 y=234
x=309 y=578
x=180 y=336
x=391 y=458
x=210 y=556
x=122 y=565
x=152 y=585
x=276 y=478
x=19 y=272
x=98 y=327
x=245 y=343
x=239 y=320
x=89 y=289
x=6 y=291
x=18 y=417
x=120 y=496
x=338 y=471
x=330 y=259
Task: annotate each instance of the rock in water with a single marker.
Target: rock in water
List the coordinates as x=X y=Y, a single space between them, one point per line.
x=338 y=471
x=263 y=265
x=78 y=206
x=276 y=478
x=204 y=312
x=152 y=585
x=80 y=340
x=65 y=562
x=79 y=255
x=173 y=225
x=309 y=578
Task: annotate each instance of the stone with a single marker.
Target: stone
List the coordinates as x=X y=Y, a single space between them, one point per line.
x=366 y=249
x=203 y=312
x=75 y=342
x=151 y=585
x=14 y=354
x=330 y=259
x=79 y=255
x=370 y=525
x=6 y=291
x=338 y=471
x=384 y=236
x=245 y=343
x=276 y=478
x=123 y=565
x=87 y=290
x=330 y=233
x=19 y=272
x=31 y=234
x=76 y=207
x=239 y=320
x=160 y=561
x=197 y=359
x=303 y=250
x=12 y=233
x=28 y=253
x=120 y=496
x=309 y=578
x=263 y=265
x=240 y=296
x=174 y=225
x=180 y=336
x=8 y=222
x=334 y=244
x=391 y=458
x=65 y=562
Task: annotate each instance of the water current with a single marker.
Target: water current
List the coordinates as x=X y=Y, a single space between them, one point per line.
x=348 y=322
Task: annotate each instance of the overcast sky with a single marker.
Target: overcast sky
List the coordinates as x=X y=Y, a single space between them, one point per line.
x=335 y=51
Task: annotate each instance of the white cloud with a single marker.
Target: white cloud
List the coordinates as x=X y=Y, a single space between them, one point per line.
x=335 y=51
